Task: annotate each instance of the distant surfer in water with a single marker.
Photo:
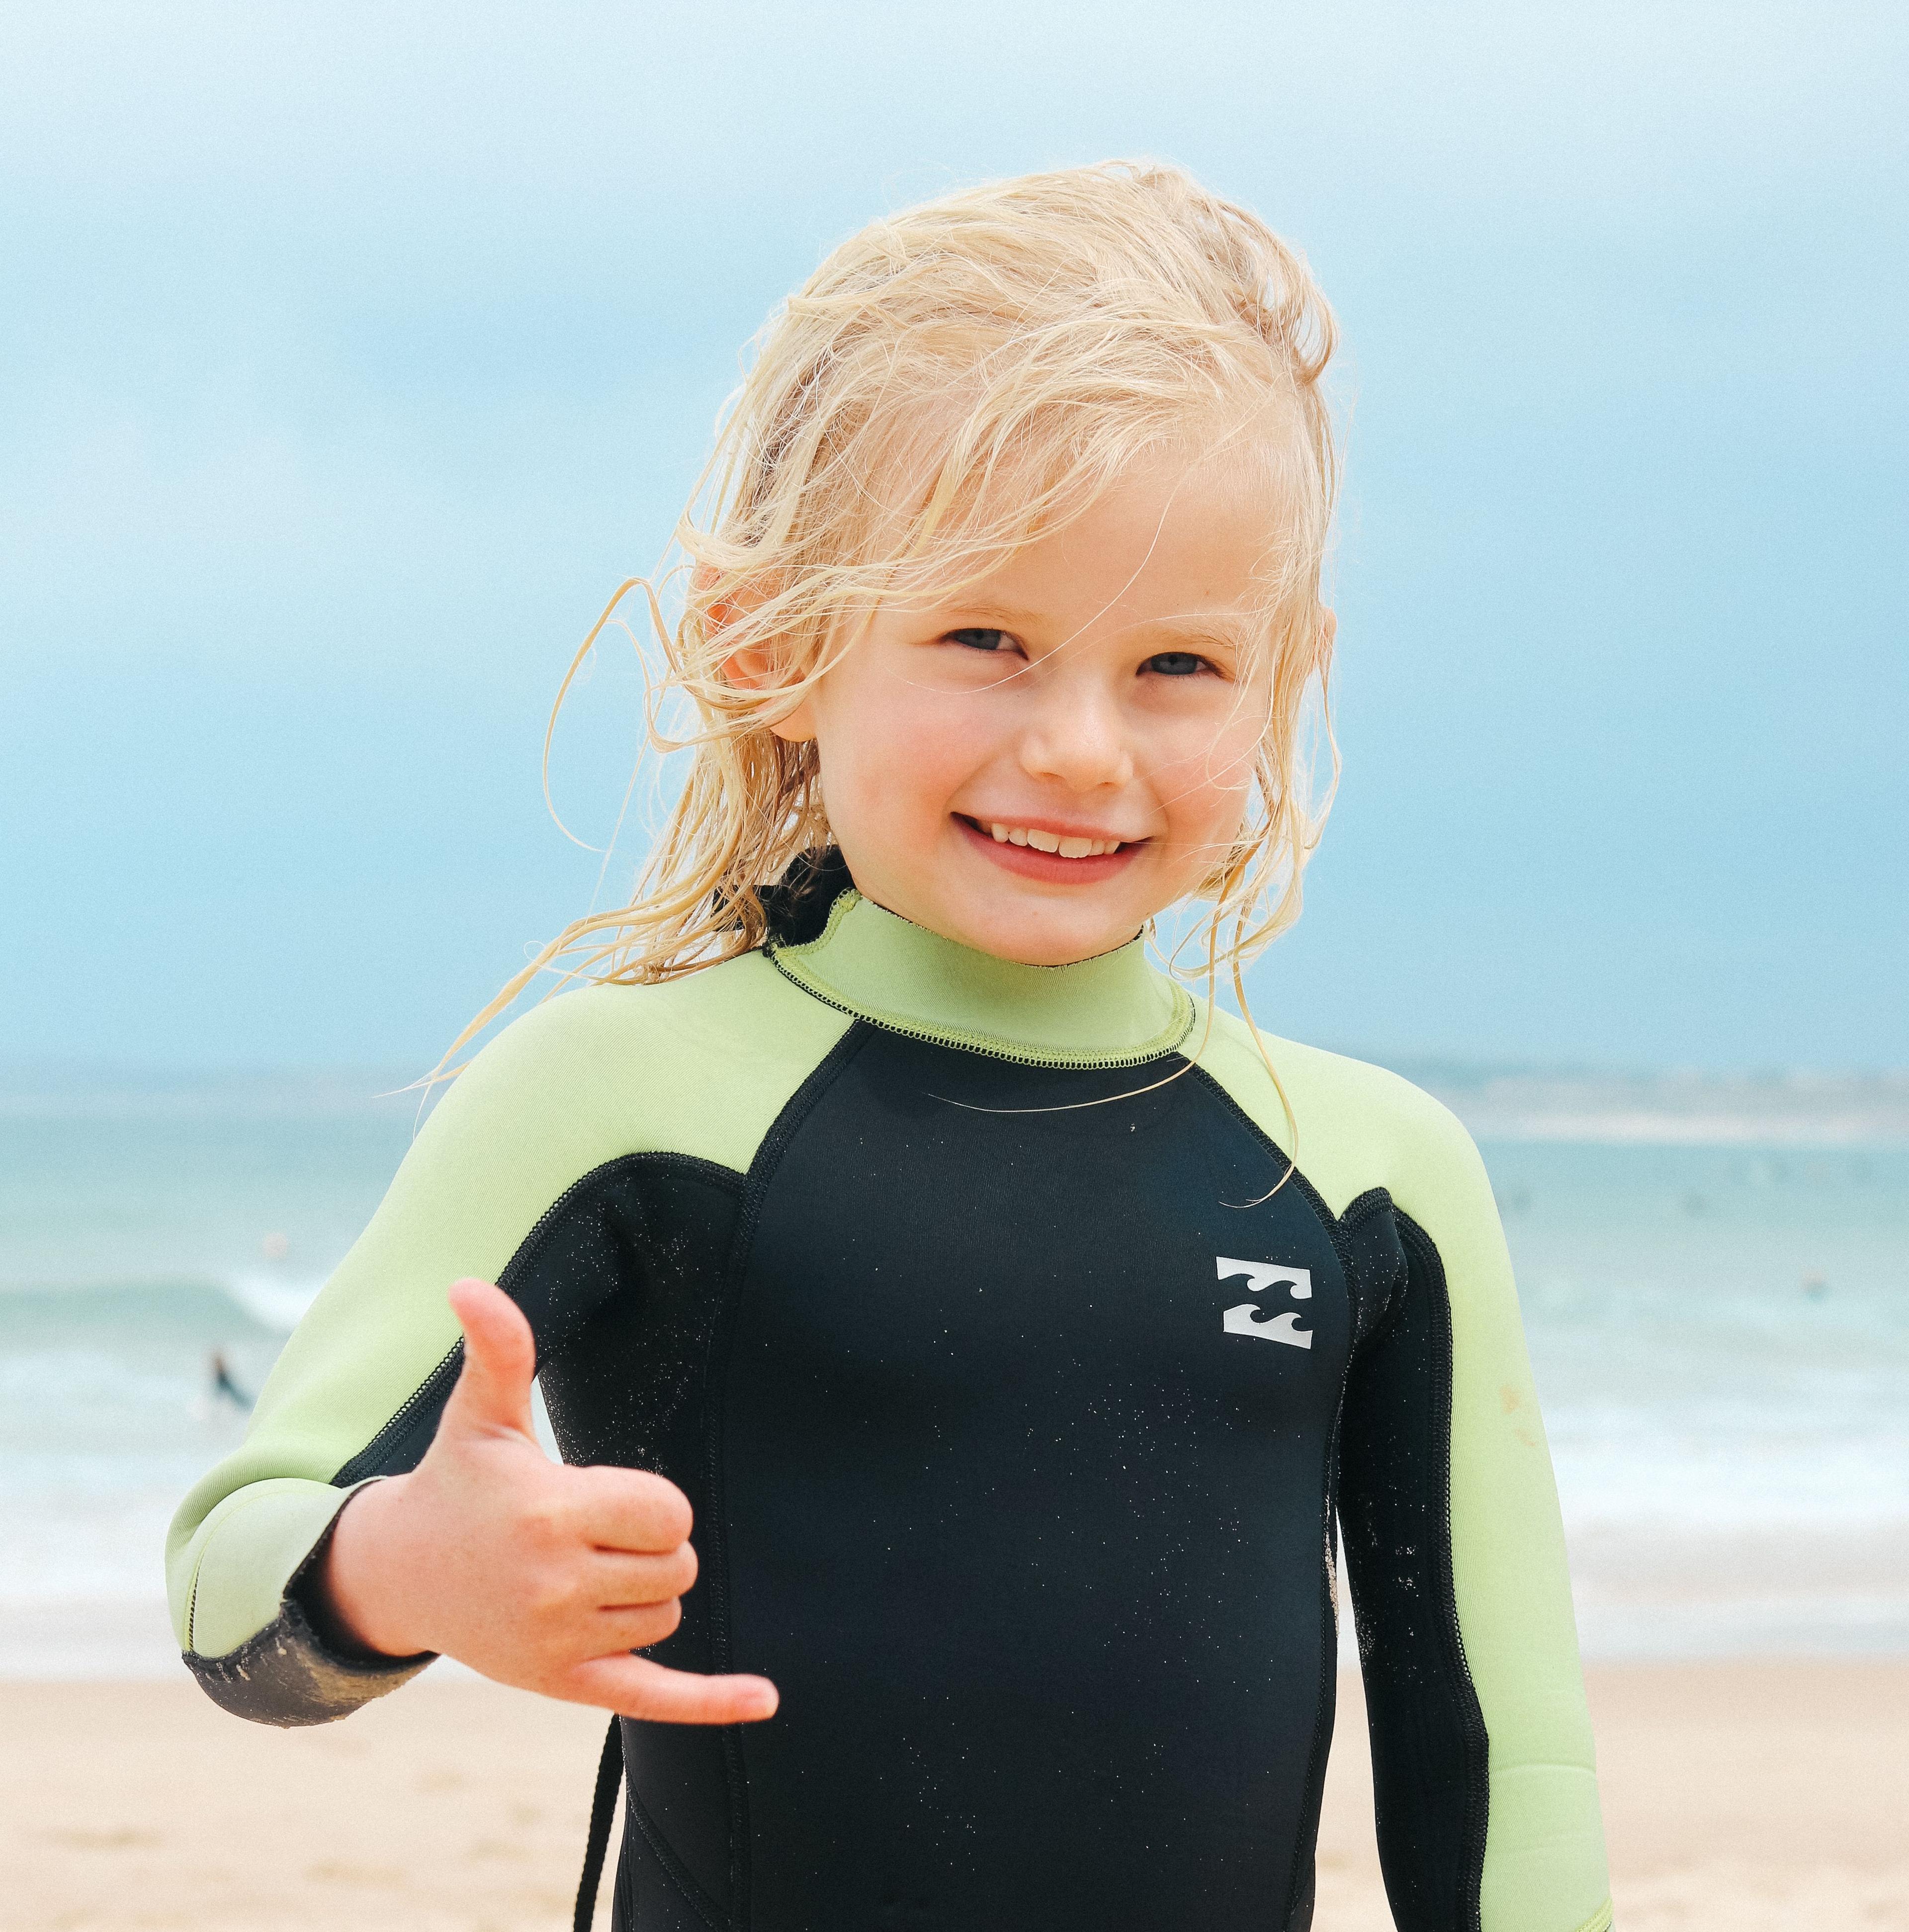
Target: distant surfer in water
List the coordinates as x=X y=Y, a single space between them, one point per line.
x=223 y=1384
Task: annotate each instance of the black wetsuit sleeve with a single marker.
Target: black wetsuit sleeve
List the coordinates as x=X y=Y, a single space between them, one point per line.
x=1483 y=1773
x=549 y=1113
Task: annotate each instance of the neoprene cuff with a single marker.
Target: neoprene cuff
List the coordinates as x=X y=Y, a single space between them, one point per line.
x=286 y=1673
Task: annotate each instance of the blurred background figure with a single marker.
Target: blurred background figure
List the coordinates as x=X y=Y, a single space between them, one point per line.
x=223 y=1388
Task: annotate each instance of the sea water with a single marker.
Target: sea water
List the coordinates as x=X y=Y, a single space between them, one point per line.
x=1716 y=1298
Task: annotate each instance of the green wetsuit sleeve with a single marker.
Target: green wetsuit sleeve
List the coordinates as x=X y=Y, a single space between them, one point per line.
x=700 y=1067
x=1361 y=1128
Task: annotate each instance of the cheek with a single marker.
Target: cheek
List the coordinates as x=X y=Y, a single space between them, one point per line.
x=889 y=750
x=1206 y=789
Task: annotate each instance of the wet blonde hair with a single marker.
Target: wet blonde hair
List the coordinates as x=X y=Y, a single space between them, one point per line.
x=950 y=381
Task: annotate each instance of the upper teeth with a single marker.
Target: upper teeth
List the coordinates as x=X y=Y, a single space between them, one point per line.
x=1052 y=841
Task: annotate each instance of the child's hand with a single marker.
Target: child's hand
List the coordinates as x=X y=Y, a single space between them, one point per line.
x=533 y=1573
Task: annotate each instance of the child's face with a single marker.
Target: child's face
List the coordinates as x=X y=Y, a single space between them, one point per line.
x=1092 y=693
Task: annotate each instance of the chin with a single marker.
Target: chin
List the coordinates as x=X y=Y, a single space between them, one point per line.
x=1038 y=940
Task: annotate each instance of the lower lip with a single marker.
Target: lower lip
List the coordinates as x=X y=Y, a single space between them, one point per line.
x=1048 y=867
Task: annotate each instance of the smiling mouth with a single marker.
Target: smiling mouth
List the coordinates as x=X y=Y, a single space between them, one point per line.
x=1060 y=845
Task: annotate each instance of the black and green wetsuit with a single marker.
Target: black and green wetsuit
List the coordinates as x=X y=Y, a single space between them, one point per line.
x=1015 y=1426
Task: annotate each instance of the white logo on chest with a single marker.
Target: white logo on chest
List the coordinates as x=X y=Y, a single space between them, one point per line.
x=1247 y=1319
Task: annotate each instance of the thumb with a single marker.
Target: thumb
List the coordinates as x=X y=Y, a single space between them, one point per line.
x=500 y=1358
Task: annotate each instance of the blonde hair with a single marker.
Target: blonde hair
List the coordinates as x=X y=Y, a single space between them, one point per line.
x=950 y=380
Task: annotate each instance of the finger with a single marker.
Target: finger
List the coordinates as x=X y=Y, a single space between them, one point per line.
x=500 y=1359
x=635 y=1687
x=627 y=1627
x=618 y=1580
x=628 y=1509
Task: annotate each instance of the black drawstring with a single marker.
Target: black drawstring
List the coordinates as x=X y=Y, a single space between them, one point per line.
x=603 y=1811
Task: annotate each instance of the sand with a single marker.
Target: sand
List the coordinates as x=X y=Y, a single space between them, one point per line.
x=1737 y=1795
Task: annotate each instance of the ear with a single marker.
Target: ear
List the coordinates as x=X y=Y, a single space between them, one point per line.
x=1330 y=626
x=750 y=668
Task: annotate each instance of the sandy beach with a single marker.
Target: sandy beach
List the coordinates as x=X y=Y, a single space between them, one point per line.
x=1741 y=1794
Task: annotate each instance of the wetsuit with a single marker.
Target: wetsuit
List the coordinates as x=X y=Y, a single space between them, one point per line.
x=1014 y=1427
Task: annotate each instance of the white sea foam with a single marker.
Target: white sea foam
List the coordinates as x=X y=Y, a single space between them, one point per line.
x=274 y=1301
x=1690 y=1109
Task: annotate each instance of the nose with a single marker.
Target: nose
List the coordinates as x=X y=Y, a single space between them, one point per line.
x=1077 y=738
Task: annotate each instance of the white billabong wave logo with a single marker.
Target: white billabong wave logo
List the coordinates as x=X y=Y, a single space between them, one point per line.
x=1249 y=1318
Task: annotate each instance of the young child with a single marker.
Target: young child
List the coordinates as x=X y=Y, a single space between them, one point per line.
x=1007 y=1326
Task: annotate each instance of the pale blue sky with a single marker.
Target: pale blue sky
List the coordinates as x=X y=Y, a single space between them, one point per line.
x=349 y=355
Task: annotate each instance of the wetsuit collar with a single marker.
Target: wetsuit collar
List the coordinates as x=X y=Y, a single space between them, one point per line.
x=1112 y=1011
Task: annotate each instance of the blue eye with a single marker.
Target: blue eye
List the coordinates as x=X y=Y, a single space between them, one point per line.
x=1175 y=664
x=980 y=639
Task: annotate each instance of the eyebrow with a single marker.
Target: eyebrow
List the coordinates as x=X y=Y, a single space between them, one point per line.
x=1231 y=628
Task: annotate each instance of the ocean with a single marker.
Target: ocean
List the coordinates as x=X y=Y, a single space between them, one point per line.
x=1715 y=1276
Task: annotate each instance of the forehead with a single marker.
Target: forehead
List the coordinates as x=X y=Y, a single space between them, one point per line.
x=1173 y=536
